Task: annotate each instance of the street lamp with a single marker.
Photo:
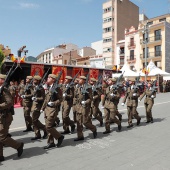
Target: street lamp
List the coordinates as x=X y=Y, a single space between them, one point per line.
x=145 y=32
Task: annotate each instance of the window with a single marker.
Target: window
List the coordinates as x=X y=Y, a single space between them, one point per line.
x=131 y=54
x=106 y=50
x=144 y=64
x=150 y=23
x=109 y=19
x=157 y=50
x=109 y=39
x=122 y=50
x=147 y=51
x=121 y=60
x=162 y=19
x=109 y=9
x=108 y=29
x=157 y=35
x=132 y=42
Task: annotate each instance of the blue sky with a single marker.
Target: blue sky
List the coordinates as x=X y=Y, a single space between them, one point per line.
x=40 y=24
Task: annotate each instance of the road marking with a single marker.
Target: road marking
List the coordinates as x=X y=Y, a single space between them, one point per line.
x=19 y=128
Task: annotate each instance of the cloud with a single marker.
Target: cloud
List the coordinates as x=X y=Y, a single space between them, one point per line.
x=28 y=5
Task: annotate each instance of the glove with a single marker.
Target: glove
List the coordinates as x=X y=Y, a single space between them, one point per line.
x=139 y=101
x=41 y=111
x=152 y=96
x=64 y=94
x=122 y=104
x=134 y=94
x=23 y=96
x=112 y=94
x=50 y=103
x=33 y=98
x=83 y=102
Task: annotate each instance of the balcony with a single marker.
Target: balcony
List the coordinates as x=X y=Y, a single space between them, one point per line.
x=131 y=59
x=131 y=45
x=152 y=39
x=156 y=54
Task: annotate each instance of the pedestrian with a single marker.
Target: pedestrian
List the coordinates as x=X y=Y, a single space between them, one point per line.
x=84 y=104
x=150 y=94
x=38 y=99
x=27 y=103
x=110 y=106
x=6 y=102
x=50 y=108
x=67 y=103
x=131 y=96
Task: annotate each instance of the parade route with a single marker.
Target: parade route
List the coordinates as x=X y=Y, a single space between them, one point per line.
x=143 y=147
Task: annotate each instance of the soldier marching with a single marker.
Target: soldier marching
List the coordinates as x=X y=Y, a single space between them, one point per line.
x=82 y=95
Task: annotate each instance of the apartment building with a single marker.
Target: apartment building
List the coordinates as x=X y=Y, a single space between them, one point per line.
x=158 y=41
x=55 y=54
x=117 y=15
x=132 y=49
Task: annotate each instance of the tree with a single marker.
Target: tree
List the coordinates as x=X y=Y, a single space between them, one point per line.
x=2 y=56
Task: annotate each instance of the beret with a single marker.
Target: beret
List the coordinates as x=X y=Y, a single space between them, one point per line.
x=93 y=79
x=2 y=76
x=37 y=77
x=82 y=77
x=29 y=77
x=68 y=77
x=52 y=76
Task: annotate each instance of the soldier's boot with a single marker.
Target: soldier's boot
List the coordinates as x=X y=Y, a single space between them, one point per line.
x=20 y=149
x=29 y=129
x=106 y=132
x=130 y=125
x=45 y=134
x=138 y=121
x=119 y=127
x=2 y=158
x=60 y=140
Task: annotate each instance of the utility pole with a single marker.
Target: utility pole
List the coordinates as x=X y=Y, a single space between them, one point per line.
x=145 y=32
x=70 y=57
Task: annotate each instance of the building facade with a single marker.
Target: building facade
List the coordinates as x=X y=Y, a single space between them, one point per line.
x=158 y=42
x=117 y=15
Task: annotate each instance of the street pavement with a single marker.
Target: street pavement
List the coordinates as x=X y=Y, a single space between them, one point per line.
x=143 y=147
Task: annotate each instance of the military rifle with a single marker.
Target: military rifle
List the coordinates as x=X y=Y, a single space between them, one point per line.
x=6 y=82
x=8 y=76
x=98 y=84
x=137 y=84
x=40 y=86
x=117 y=85
x=55 y=87
x=85 y=87
x=71 y=84
x=154 y=87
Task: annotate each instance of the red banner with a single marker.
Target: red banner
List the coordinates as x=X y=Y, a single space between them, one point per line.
x=37 y=69
x=57 y=69
x=94 y=73
x=75 y=71
x=84 y=71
